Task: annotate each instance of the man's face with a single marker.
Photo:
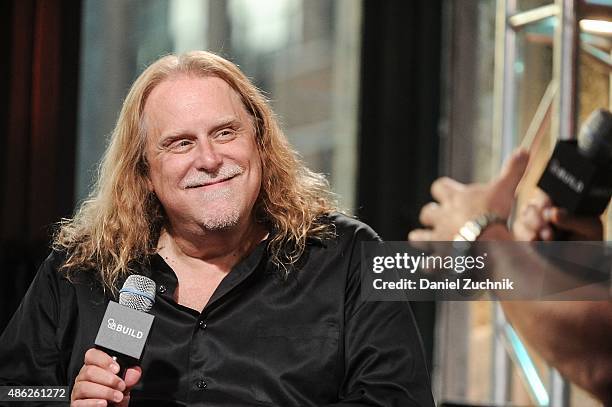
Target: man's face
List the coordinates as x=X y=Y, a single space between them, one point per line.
x=204 y=165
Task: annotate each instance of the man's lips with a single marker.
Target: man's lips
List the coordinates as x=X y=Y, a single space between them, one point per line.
x=210 y=183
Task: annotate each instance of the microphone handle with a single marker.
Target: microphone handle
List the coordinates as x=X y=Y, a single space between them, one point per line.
x=123 y=365
x=122 y=360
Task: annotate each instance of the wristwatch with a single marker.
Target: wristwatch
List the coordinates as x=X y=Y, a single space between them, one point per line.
x=472 y=229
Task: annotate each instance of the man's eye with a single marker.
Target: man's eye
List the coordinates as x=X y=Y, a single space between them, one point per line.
x=179 y=145
x=225 y=135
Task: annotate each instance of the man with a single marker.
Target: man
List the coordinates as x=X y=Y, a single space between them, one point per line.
x=258 y=299
x=574 y=337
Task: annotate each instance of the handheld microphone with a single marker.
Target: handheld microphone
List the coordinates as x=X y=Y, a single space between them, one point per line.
x=126 y=325
x=578 y=176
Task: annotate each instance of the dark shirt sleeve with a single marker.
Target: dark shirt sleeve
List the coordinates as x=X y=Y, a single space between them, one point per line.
x=29 y=351
x=384 y=358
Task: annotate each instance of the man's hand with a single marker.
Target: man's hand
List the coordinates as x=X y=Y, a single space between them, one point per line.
x=458 y=203
x=97 y=384
x=536 y=219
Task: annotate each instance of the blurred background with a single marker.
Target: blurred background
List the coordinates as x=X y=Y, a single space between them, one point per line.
x=381 y=96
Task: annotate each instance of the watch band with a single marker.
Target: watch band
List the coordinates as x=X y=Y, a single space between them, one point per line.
x=472 y=229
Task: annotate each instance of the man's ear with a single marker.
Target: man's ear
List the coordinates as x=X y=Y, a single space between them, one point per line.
x=144 y=168
x=147 y=176
x=149 y=184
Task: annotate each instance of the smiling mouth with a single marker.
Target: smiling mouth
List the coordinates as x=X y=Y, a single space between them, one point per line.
x=211 y=183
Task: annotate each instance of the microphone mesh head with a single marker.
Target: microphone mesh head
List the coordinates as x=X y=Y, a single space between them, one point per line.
x=595 y=137
x=138 y=292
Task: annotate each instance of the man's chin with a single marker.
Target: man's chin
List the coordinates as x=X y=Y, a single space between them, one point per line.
x=220 y=222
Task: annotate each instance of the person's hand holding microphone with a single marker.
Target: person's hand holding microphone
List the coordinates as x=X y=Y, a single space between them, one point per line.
x=111 y=370
x=97 y=383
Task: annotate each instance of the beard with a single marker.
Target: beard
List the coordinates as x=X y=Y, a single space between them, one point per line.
x=222 y=210
x=216 y=223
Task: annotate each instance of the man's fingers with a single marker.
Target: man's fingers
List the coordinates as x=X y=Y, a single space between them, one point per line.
x=420 y=235
x=443 y=187
x=532 y=219
x=513 y=170
x=132 y=376
x=88 y=390
x=589 y=228
x=97 y=381
x=96 y=357
x=522 y=234
x=541 y=200
x=429 y=213
x=89 y=403
x=96 y=374
x=531 y=225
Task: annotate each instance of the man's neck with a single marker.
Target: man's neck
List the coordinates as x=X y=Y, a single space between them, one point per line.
x=223 y=248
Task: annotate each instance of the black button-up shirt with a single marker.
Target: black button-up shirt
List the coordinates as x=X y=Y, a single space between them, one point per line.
x=262 y=340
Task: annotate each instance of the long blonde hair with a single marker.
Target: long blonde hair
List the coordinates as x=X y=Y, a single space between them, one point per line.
x=118 y=226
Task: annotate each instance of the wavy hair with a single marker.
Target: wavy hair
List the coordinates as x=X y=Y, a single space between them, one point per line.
x=118 y=226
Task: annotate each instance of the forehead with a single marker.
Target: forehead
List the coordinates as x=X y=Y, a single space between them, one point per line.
x=189 y=98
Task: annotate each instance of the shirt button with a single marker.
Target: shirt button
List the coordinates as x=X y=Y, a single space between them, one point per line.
x=161 y=289
x=201 y=384
x=202 y=324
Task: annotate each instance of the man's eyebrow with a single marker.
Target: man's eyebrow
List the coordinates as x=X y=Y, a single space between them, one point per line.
x=173 y=134
x=230 y=121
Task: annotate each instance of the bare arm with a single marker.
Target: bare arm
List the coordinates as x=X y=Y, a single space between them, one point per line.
x=574 y=337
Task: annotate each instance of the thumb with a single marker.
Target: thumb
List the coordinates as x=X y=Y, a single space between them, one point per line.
x=132 y=377
x=512 y=171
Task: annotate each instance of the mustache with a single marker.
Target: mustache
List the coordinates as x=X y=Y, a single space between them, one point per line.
x=206 y=178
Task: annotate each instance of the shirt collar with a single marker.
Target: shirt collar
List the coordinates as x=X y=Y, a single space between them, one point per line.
x=166 y=280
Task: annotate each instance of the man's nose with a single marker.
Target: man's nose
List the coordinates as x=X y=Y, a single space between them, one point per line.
x=208 y=158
